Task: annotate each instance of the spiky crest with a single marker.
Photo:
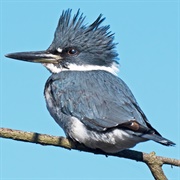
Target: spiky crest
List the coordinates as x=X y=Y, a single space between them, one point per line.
x=92 y=38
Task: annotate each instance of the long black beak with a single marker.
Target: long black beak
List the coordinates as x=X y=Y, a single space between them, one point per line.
x=35 y=56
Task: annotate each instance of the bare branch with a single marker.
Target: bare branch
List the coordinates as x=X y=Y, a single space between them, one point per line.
x=153 y=162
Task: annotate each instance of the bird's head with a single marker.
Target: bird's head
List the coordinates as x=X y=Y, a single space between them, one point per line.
x=76 y=46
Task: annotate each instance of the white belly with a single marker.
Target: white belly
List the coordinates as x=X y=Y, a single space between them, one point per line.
x=110 y=142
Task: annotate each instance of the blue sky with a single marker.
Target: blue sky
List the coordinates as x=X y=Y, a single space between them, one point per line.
x=148 y=37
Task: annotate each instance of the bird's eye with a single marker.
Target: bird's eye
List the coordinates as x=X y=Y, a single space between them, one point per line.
x=72 y=51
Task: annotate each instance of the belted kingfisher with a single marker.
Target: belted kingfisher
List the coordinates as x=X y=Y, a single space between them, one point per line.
x=84 y=94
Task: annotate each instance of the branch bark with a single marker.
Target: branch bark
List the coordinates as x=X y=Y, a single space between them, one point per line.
x=154 y=162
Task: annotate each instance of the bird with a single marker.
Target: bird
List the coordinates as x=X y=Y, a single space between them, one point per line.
x=84 y=94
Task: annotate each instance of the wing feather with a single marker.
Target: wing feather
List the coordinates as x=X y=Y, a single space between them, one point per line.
x=97 y=98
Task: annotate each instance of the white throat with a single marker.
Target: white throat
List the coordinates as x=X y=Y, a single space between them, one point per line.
x=73 y=67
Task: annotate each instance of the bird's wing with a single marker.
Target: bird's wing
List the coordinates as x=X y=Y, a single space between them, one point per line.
x=97 y=98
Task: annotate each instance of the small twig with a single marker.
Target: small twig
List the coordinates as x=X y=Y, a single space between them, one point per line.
x=153 y=162
x=155 y=165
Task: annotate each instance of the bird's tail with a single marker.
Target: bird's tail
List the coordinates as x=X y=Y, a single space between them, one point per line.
x=158 y=139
